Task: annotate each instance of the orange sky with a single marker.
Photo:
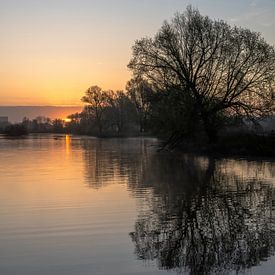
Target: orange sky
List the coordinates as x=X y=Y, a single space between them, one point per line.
x=51 y=51
x=48 y=72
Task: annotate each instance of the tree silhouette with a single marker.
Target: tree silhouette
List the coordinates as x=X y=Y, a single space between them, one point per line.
x=138 y=91
x=97 y=101
x=219 y=70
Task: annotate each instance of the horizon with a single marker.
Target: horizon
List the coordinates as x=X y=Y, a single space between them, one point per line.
x=16 y=114
x=41 y=106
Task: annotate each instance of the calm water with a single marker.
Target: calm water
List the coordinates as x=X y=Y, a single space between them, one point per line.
x=76 y=205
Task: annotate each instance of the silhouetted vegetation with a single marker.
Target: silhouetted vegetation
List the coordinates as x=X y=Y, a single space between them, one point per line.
x=43 y=124
x=15 y=130
x=204 y=73
x=107 y=113
x=246 y=144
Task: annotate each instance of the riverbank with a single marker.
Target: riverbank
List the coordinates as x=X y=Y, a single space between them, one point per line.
x=240 y=145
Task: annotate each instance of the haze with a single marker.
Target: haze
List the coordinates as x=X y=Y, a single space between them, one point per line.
x=17 y=113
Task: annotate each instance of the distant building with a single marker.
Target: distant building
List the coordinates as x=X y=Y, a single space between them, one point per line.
x=4 y=121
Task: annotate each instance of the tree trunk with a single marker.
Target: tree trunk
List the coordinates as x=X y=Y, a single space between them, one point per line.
x=210 y=129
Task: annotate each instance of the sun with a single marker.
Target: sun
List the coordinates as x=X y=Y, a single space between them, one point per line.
x=67 y=120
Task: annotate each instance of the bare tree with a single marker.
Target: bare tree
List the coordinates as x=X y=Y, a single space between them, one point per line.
x=119 y=109
x=97 y=101
x=138 y=90
x=223 y=69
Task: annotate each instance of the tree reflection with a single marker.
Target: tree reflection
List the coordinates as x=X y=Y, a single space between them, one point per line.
x=203 y=219
x=109 y=161
x=196 y=214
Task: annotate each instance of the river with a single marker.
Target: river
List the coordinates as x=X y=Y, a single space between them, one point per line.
x=81 y=205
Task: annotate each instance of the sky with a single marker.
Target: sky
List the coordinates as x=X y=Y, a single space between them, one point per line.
x=51 y=51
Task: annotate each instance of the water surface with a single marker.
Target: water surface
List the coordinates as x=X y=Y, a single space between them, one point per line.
x=79 y=205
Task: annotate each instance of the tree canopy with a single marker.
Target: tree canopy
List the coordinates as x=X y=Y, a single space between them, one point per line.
x=214 y=68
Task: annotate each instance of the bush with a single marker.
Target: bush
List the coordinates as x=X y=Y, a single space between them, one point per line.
x=15 y=130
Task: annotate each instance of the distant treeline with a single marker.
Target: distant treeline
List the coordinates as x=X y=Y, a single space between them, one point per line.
x=105 y=114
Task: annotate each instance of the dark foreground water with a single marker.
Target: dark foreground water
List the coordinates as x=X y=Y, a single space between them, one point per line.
x=76 y=205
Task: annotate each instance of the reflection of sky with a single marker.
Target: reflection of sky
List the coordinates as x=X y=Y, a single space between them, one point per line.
x=56 y=49
x=52 y=223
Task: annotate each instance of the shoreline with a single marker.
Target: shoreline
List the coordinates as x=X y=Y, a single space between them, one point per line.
x=218 y=150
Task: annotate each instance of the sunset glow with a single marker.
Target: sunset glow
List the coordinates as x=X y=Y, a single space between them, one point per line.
x=52 y=51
